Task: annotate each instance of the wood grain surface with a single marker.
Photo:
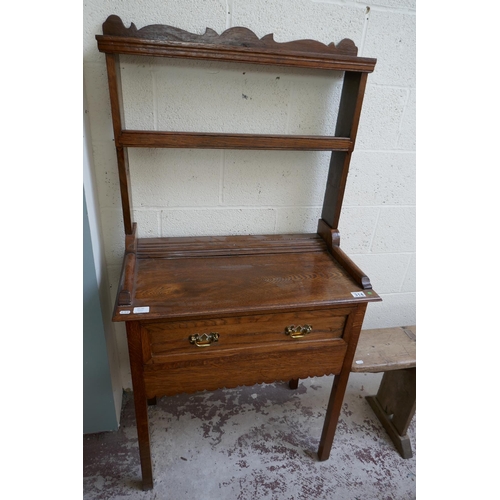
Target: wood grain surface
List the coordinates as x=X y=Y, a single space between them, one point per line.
x=247 y=289
x=236 y=44
x=230 y=285
x=384 y=349
x=212 y=140
x=243 y=331
x=247 y=366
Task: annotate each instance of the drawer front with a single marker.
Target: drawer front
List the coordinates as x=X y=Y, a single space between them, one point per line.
x=203 y=337
x=232 y=368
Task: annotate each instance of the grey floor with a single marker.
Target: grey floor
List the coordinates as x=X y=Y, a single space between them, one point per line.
x=255 y=442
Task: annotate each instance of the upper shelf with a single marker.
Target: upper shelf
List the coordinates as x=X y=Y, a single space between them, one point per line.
x=201 y=140
x=234 y=45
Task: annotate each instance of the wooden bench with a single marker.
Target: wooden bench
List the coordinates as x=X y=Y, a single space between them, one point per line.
x=392 y=351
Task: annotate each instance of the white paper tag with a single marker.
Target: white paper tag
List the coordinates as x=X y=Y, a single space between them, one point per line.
x=358 y=294
x=359 y=362
x=140 y=310
x=125 y=312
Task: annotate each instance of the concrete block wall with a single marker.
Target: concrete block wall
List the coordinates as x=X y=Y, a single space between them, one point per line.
x=209 y=192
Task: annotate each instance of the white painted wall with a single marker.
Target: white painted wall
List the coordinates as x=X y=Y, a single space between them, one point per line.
x=187 y=192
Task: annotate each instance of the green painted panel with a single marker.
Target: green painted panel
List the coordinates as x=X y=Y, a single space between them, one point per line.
x=98 y=405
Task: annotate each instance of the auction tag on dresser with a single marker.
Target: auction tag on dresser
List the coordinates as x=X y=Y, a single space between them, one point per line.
x=139 y=310
x=358 y=294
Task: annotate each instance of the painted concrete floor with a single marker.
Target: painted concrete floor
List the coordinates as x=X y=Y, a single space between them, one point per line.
x=250 y=443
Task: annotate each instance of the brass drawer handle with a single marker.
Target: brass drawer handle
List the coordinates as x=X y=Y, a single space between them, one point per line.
x=297 y=332
x=204 y=340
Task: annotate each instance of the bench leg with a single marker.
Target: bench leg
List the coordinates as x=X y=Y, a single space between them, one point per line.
x=395 y=405
x=294 y=383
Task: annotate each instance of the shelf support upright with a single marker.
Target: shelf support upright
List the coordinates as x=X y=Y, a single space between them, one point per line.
x=115 y=93
x=347 y=126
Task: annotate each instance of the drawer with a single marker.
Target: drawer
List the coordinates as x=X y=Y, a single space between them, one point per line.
x=242 y=332
x=248 y=366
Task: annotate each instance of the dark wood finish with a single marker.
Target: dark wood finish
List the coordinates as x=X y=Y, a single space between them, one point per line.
x=241 y=332
x=360 y=277
x=232 y=37
x=140 y=401
x=115 y=93
x=205 y=140
x=116 y=100
x=214 y=246
x=127 y=291
x=332 y=240
x=235 y=45
x=353 y=329
x=208 y=370
x=232 y=284
x=351 y=102
x=210 y=312
x=129 y=269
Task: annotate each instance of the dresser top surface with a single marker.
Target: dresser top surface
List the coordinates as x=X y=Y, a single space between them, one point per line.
x=239 y=284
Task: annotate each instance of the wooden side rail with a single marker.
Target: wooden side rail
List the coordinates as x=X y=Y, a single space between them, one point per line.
x=129 y=269
x=332 y=240
x=127 y=289
x=359 y=276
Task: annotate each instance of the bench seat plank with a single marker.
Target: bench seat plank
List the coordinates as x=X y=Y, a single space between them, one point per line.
x=385 y=349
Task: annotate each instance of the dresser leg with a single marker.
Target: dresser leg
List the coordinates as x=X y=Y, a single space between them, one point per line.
x=141 y=415
x=294 y=383
x=140 y=402
x=332 y=415
x=351 y=336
